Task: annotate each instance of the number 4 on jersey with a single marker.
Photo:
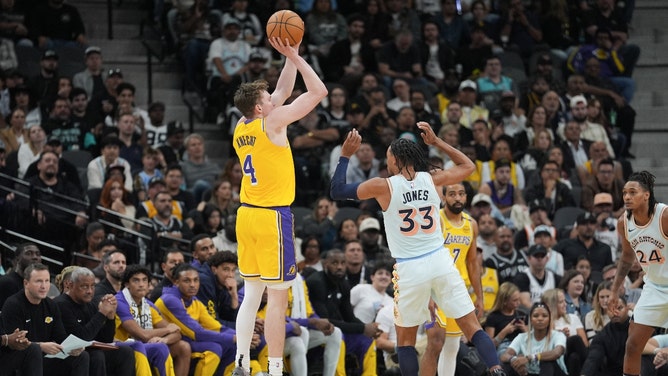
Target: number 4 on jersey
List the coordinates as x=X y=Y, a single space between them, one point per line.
x=654 y=257
x=248 y=169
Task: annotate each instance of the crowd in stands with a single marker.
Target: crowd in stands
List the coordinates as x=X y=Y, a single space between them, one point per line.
x=537 y=93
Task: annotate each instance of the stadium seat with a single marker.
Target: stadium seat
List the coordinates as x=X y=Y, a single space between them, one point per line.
x=80 y=160
x=28 y=58
x=346 y=213
x=566 y=216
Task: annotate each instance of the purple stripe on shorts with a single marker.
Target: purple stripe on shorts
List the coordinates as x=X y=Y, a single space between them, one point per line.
x=287 y=234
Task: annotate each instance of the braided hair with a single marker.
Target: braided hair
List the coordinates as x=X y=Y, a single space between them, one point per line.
x=409 y=153
x=646 y=181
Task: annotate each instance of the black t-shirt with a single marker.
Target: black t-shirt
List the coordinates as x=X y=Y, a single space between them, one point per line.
x=498 y=321
x=85 y=320
x=43 y=321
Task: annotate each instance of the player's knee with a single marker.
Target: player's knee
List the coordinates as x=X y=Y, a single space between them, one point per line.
x=435 y=340
x=181 y=349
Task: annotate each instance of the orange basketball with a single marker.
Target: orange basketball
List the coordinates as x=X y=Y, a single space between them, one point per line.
x=286 y=24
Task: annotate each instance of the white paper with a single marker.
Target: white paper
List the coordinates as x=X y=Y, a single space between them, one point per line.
x=70 y=343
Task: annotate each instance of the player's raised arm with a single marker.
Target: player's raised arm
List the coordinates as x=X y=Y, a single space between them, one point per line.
x=463 y=165
x=315 y=89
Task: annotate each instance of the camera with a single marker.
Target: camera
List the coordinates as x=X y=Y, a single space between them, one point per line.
x=609 y=224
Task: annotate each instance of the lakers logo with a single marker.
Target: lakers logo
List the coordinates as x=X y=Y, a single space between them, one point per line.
x=293 y=270
x=48 y=319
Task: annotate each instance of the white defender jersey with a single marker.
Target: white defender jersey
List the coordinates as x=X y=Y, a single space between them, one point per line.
x=412 y=220
x=649 y=244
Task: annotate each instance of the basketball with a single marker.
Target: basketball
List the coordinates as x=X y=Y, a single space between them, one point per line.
x=286 y=24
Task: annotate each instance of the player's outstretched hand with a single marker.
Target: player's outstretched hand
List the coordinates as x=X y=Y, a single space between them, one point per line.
x=427 y=133
x=351 y=143
x=284 y=48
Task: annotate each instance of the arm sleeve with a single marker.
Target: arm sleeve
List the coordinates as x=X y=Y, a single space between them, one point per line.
x=339 y=190
x=595 y=356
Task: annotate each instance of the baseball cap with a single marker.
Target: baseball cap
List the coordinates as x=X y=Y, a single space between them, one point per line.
x=540 y=229
x=537 y=249
x=115 y=72
x=602 y=199
x=156 y=180
x=577 y=99
x=369 y=224
x=468 y=84
x=156 y=106
x=255 y=55
x=481 y=198
x=507 y=94
x=174 y=128
x=231 y=21
x=49 y=54
x=93 y=50
x=585 y=218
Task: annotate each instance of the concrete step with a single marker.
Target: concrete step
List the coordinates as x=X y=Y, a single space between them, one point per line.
x=650 y=145
x=652 y=118
x=96 y=13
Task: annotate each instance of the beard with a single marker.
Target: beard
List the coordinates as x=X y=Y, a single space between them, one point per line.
x=580 y=119
x=49 y=175
x=455 y=209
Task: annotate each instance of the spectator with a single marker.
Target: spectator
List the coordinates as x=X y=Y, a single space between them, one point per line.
x=492 y=84
x=400 y=57
x=557 y=32
x=324 y=27
x=219 y=289
x=55 y=222
x=573 y=284
x=94 y=236
x=507 y=261
x=538 y=351
x=470 y=58
x=173 y=150
x=504 y=194
x=454 y=30
x=603 y=181
x=116 y=198
x=156 y=129
x=92 y=78
x=25 y=254
x=536 y=279
x=83 y=118
x=571 y=326
x=30 y=150
x=14 y=135
x=197 y=27
x=310 y=251
x=44 y=86
x=450 y=135
x=212 y=221
x=544 y=235
x=584 y=243
x=485 y=21
x=606 y=231
x=320 y=223
x=486 y=240
x=502 y=149
x=113 y=263
x=60 y=125
x=368 y=299
x=251 y=29
x=574 y=148
x=226 y=240
x=170 y=259
x=591 y=281
x=453 y=117
x=506 y=320
x=527 y=236
x=550 y=190
x=105 y=105
x=97 y=168
x=228 y=57
x=598 y=317
x=151 y=168
x=167 y=226
x=22 y=98
x=536 y=155
x=401 y=17
x=91 y=322
x=32 y=302
x=198 y=171
x=437 y=56
x=55 y=24
x=13 y=24
x=513 y=119
x=357 y=272
x=147 y=210
x=520 y=29
x=470 y=110
x=376 y=23
x=401 y=90
x=606 y=352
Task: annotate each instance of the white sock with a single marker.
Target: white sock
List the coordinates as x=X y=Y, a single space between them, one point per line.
x=246 y=321
x=276 y=366
x=447 y=361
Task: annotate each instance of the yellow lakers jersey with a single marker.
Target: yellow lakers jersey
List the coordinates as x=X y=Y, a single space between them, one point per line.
x=458 y=241
x=268 y=169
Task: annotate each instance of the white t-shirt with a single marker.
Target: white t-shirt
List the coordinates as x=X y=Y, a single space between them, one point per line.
x=367 y=301
x=521 y=347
